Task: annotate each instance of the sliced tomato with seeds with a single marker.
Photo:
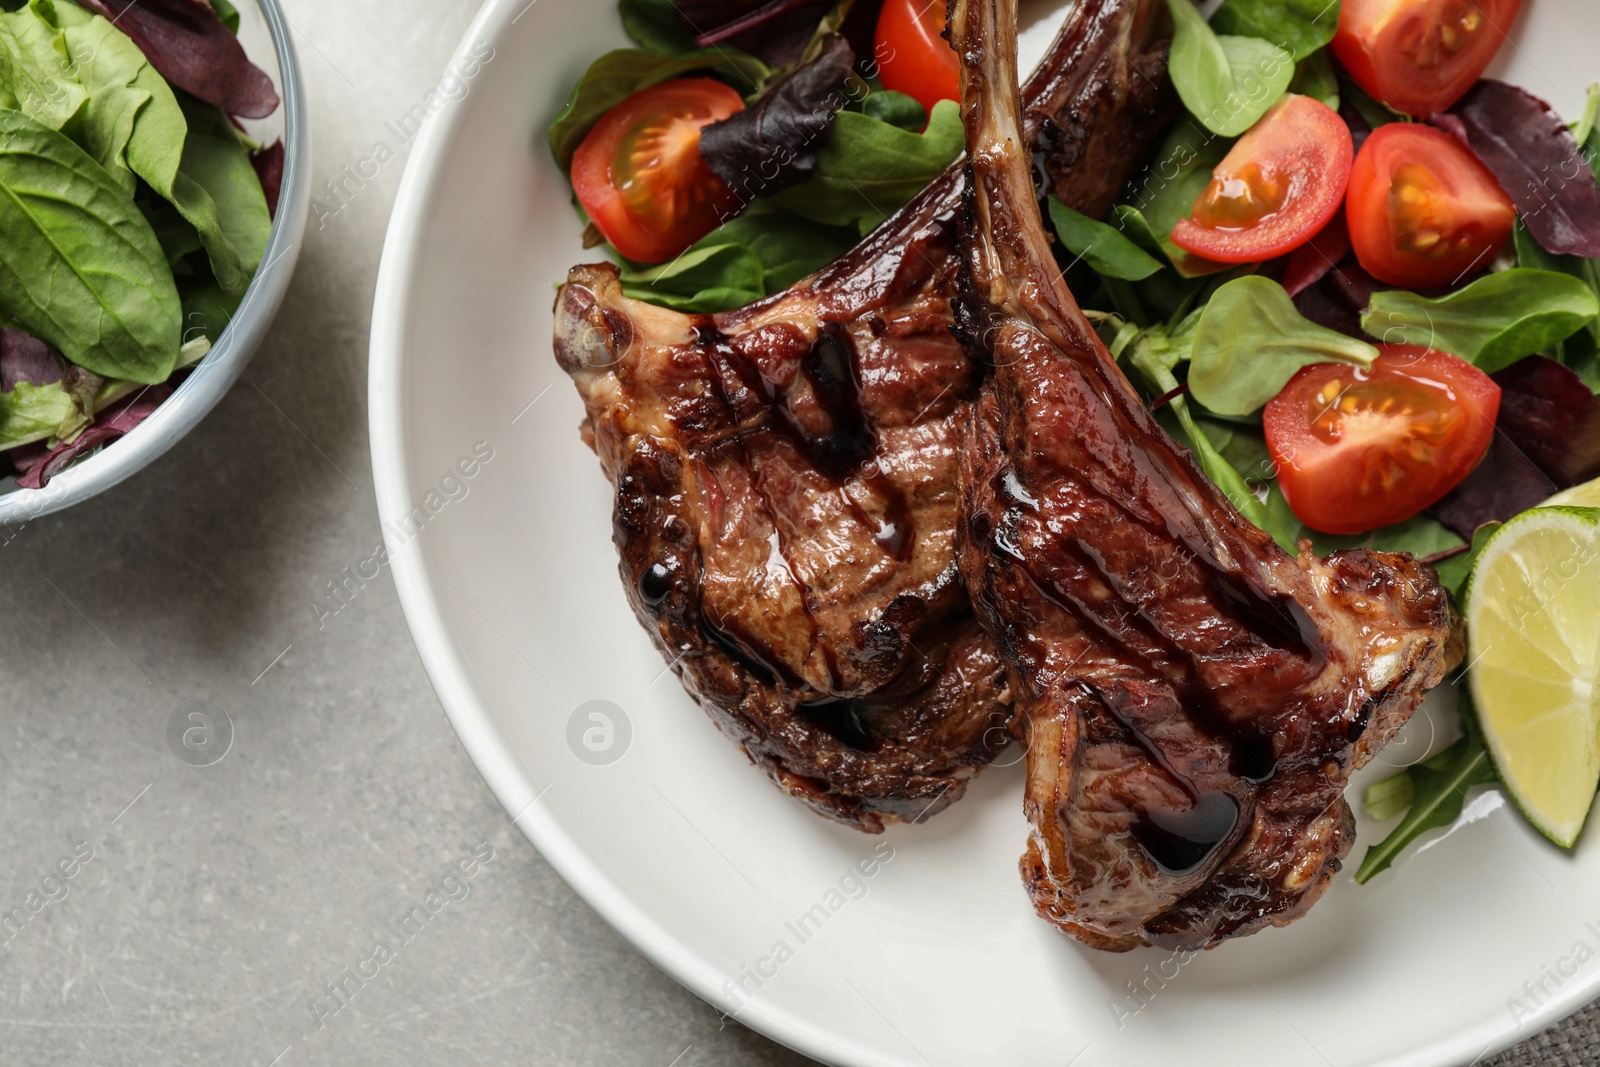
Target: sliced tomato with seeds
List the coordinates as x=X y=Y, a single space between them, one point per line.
x=1423 y=210
x=912 y=55
x=640 y=175
x=1275 y=189
x=1420 y=56
x=1360 y=449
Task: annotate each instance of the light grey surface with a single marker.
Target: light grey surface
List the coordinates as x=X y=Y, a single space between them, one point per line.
x=221 y=901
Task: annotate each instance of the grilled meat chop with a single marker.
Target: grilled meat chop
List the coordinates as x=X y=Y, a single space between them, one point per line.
x=1194 y=698
x=786 y=473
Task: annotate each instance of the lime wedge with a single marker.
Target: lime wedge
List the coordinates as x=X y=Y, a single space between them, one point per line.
x=1586 y=495
x=1533 y=629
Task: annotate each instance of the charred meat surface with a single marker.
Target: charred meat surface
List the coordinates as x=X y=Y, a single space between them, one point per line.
x=1194 y=699
x=786 y=474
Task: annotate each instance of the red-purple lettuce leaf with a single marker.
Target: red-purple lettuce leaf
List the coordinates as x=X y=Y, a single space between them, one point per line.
x=37 y=464
x=1550 y=413
x=191 y=47
x=25 y=358
x=269 y=169
x=1506 y=483
x=777 y=31
x=773 y=143
x=1534 y=157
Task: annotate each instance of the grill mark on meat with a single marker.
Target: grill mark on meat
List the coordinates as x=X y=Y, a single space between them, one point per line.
x=785 y=473
x=1194 y=698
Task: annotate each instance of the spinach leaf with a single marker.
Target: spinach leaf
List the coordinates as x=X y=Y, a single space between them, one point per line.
x=1299 y=27
x=207 y=310
x=228 y=14
x=788 y=246
x=35 y=77
x=132 y=123
x=1168 y=187
x=1103 y=247
x=1315 y=77
x=1251 y=340
x=617 y=75
x=179 y=240
x=1455 y=572
x=1493 y=322
x=869 y=168
x=1439 y=790
x=1226 y=82
x=897 y=109
x=1155 y=353
x=654 y=25
x=217 y=190
x=712 y=278
x=80 y=267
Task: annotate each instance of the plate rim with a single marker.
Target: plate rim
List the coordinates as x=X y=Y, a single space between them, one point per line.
x=489 y=750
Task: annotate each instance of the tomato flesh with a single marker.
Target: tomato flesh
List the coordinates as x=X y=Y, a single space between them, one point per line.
x=1420 y=56
x=912 y=56
x=640 y=175
x=1360 y=449
x=1275 y=189
x=1423 y=210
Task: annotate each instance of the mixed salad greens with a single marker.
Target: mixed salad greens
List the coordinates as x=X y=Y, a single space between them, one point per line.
x=134 y=212
x=1358 y=279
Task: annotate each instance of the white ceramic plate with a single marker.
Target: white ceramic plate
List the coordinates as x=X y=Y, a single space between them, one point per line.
x=509 y=581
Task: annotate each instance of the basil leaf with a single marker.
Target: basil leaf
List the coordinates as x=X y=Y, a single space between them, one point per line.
x=1226 y=82
x=1167 y=189
x=1103 y=247
x=1299 y=27
x=617 y=75
x=218 y=191
x=1439 y=791
x=1493 y=322
x=35 y=76
x=869 y=168
x=80 y=267
x=1251 y=340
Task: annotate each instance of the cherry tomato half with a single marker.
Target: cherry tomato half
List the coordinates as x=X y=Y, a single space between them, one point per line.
x=1420 y=56
x=639 y=173
x=1423 y=211
x=1275 y=189
x=1359 y=449
x=913 y=58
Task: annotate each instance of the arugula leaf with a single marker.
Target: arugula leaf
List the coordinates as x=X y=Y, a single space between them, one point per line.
x=617 y=75
x=35 y=78
x=1103 y=247
x=1439 y=791
x=869 y=168
x=1251 y=340
x=1300 y=27
x=80 y=267
x=1227 y=82
x=1491 y=323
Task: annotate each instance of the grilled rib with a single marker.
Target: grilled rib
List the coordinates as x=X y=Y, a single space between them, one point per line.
x=1194 y=698
x=785 y=473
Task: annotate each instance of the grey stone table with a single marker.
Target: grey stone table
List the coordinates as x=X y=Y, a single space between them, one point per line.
x=221 y=914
